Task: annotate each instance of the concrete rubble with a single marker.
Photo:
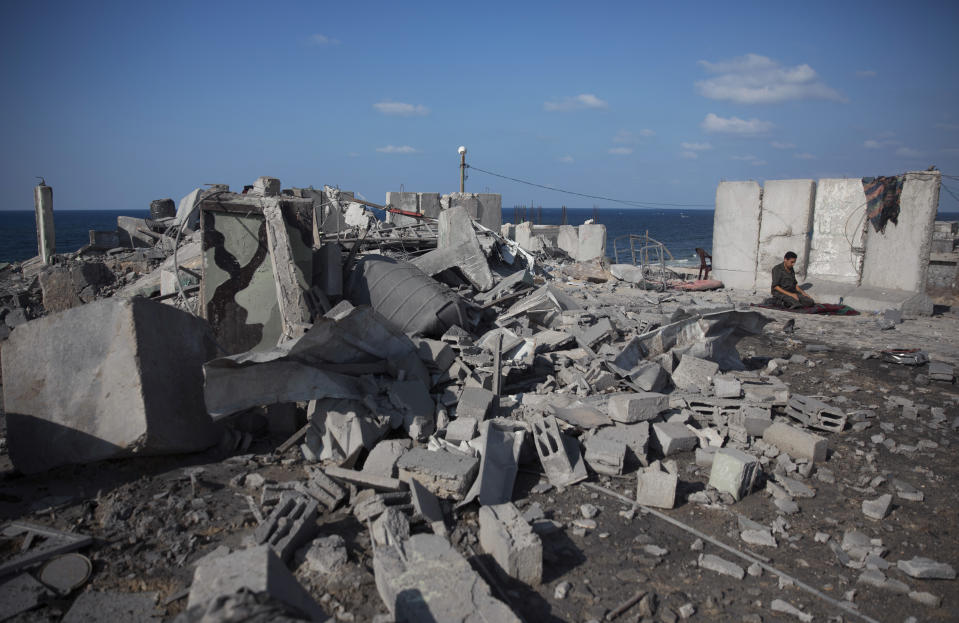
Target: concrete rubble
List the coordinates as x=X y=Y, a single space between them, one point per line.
x=297 y=404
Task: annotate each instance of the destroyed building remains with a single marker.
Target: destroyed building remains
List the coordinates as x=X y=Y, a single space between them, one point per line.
x=296 y=404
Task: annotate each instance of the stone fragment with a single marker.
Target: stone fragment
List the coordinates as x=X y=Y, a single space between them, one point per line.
x=778 y=605
x=733 y=472
x=506 y=536
x=926 y=599
x=431 y=581
x=256 y=569
x=562 y=590
x=796 y=488
x=328 y=555
x=655 y=487
x=877 y=509
x=673 y=438
x=926 y=569
x=637 y=407
x=694 y=374
x=444 y=474
x=758 y=537
x=96 y=382
x=795 y=442
x=721 y=565
x=391 y=527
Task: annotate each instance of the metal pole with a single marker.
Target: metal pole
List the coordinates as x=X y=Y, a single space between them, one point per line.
x=463 y=172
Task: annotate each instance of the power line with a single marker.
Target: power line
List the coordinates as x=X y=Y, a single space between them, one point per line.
x=637 y=204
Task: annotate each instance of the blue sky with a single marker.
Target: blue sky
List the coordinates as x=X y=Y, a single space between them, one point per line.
x=120 y=103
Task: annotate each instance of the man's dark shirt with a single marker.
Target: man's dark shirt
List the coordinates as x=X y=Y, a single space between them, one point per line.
x=785 y=279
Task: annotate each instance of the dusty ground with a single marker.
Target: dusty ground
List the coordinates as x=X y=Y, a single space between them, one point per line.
x=151 y=521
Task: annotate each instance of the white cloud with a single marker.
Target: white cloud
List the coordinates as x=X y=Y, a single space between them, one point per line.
x=866 y=73
x=401 y=109
x=950 y=150
x=879 y=144
x=805 y=156
x=646 y=132
x=734 y=125
x=758 y=163
x=567 y=159
x=396 y=149
x=624 y=136
x=688 y=155
x=871 y=144
x=582 y=101
x=621 y=151
x=948 y=126
x=756 y=79
x=780 y=145
x=695 y=146
x=909 y=152
x=322 y=40
x=746 y=157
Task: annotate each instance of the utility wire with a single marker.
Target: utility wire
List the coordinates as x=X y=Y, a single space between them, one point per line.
x=637 y=204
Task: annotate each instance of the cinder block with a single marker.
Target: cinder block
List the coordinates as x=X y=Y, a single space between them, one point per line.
x=797 y=443
x=433 y=582
x=291 y=524
x=444 y=474
x=673 y=438
x=637 y=407
x=694 y=374
x=656 y=488
x=506 y=536
x=256 y=569
x=108 y=379
x=733 y=472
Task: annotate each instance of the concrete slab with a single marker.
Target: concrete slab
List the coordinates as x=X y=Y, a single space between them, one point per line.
x=838 y=227
x=506 y=536
x=406 y=201
x=736 y=234
x=94 y=382
x=431 y=581
x=592 y=242
x=787 y=221
x=568 y=240
x=258 y=570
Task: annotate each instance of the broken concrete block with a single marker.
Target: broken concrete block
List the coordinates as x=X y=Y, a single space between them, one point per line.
x=673 y=438
x=444 y=474
x=694 y=374
x=291 y=524
x=558 y=453
x=65 y=287
x=727 y=387
x=95 y=382
x=649 y=376
x=419 y=410
x=431 y=581
x=797 y=443
x=638 y=407
x=606 y=456
x=655 y=487
x=926 y=569
x=878 y=508
x=428 y=507
x=941 y=371
x=457 y=246
x=328 y=554
x=721 y=565
x=461 y=429
x=391 y=528
x=256 y=569
x=265 y=186
x=475 y=402
x=733 y=472
x=815 y=413
x=506 y=536
x=500 y=446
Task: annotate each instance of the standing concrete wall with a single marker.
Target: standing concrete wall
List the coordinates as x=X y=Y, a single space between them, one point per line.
x=736 y=234
x=835 y=253
x=408 y=202
x=898 y=258
x=787 y=217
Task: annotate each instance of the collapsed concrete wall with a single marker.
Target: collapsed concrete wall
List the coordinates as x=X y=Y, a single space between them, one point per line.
x=825 y=224
x=736 y=233
x=486 y=208
x=581 y=243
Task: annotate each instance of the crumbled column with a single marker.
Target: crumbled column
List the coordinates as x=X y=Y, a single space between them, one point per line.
x=655 y=487
x=506 y=536
x=694 y=374
x=431 y=581
x=673 y=438
x=256 y=569
x=638 y=407
x=798 y=444
x=444 y=474
x=733 y=472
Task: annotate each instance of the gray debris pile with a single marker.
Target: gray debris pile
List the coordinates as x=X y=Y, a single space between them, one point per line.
x=373 y=390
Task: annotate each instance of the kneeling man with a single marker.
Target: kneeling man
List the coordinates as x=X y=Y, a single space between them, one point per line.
x=785 y=289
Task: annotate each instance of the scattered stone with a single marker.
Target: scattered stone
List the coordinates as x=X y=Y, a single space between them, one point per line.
x=589 y=511
x=562 y=590
x=926 y=599
x=758 y=537
x=778 y=605
x=721 y=565
x=926 y=569
x=877 y=509
x=327 y=555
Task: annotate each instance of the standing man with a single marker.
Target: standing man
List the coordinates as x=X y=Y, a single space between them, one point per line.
x=785 y=289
